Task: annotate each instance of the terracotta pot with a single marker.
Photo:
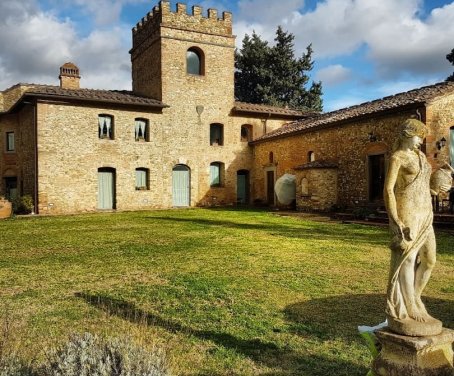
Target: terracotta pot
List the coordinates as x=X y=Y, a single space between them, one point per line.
x=6 y=209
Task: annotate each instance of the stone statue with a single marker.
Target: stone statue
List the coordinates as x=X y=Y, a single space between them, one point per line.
x=408 y=201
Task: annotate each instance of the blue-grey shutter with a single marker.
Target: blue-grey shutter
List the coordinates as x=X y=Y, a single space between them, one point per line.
x=105 y=190
x=141 y=178
x=180 y=186
x=214 y=174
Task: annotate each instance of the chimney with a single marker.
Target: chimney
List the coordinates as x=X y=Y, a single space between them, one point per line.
x=69 y=76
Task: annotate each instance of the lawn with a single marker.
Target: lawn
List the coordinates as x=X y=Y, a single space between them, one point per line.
x=222 y=292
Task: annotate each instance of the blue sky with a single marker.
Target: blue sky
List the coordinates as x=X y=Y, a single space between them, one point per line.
x=363 y=49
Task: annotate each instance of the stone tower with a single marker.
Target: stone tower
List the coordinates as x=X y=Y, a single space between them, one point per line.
x=166 y=42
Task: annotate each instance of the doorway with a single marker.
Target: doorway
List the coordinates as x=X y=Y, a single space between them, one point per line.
x=270 y=188
x=106 y=188
x=376 y=165
x=181 y=183
x=242 y=187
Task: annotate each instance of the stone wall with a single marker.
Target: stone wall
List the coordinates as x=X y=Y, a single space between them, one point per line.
x=10 y=96
x=70 y=154
x=21 y=162
x=316 y=189
x=439 y=118
x=348 y=145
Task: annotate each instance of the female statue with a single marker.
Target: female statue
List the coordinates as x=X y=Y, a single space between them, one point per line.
x=408 y=201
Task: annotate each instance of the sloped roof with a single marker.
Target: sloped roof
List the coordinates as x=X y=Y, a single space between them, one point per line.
x=243 y=107
x=410 y=98
x=120 y=97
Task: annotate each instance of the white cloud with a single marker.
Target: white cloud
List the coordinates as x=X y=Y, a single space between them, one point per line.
x=47 y=42
x=333 y=75
x=396 y=38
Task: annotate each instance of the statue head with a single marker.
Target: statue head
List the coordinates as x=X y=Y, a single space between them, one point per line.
x=408 y=129
x=412 y=127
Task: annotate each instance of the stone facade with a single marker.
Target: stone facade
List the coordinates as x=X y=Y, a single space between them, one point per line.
x=351 y=145
x=70 y=152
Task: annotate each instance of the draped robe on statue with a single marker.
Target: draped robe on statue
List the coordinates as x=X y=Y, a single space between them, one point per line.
x=414 y=208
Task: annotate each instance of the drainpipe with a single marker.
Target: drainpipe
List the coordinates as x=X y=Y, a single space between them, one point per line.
x=264 y=121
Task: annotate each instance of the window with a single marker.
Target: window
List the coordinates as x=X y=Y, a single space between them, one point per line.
x=10 y=145
x=271 y=157
x=246 y=132
x=105 y=127
x=311 y=156
x=141 y=130
x=216 y=174
x=142 y=179
x=194 y=61
x=216 y=134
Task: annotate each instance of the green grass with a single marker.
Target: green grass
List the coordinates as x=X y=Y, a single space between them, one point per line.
x=224 y=292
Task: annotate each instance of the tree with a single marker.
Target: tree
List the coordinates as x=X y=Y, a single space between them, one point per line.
x=272 y=75
x=450 y=58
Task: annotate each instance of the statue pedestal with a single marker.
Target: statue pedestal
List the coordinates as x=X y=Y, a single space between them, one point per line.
x=414 y=356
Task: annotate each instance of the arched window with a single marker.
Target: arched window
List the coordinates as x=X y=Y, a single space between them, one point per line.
x=311 y=156
x=195 y=61
x=246 y=132
x=106 y=127
x=271 y=157
x=216 y=174
x=142 y=178
x=141 y=131
x=216 y=134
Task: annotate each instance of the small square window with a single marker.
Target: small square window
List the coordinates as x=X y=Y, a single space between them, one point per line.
x=141 y=130
x=105 y=127
x=10 y=141
x=216 y=134
x=142 y=175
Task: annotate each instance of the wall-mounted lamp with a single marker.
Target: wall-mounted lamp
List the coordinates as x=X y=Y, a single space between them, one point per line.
x=372 y=137
x=441 y=144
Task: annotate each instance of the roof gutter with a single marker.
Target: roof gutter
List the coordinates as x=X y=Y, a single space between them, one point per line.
x=68 y=98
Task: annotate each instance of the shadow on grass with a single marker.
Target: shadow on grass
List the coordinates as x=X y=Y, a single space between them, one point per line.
x=315 y=231
x=339 y=316
x=284 y=360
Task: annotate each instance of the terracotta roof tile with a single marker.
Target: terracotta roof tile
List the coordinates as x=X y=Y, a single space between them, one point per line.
x=421 y=95
x=265 y=109
x=107 y=96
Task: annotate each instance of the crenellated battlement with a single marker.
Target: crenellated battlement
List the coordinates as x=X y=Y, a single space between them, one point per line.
x=162 y=15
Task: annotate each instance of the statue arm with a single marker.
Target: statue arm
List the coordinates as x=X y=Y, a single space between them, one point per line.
x=389 y=196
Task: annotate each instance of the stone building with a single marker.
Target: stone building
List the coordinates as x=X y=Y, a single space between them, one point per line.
x=340 y=158
x=180 y=139
x=177 y=139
